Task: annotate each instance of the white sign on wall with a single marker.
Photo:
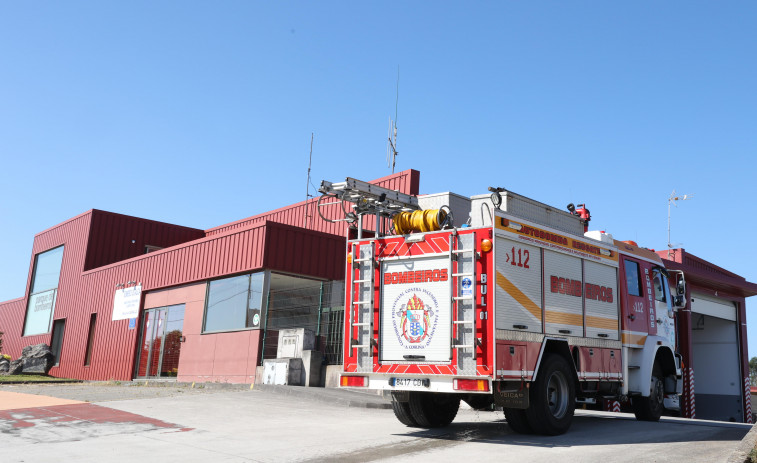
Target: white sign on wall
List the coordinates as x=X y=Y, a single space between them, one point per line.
x=126 y=302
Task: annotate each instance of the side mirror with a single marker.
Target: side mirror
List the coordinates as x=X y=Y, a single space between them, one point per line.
x=681 y=287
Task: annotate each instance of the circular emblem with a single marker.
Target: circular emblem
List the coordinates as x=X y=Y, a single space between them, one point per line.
x=467 y=283
x=415 y=317
x=256 y=319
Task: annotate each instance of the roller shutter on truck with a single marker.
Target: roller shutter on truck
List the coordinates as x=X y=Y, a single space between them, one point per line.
x=555 y=289
x=563 y=294
x=519 y=288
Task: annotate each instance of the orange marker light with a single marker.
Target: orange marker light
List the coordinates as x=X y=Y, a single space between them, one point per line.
x=486 y=245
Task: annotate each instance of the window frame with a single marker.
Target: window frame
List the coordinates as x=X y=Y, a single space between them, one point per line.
x=52 y=290
x=638 y=277
x=263 y=302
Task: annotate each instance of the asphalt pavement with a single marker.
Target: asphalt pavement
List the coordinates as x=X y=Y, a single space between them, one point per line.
x=152 y=422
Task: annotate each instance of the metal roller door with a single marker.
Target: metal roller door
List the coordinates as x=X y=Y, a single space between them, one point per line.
x=717 y=372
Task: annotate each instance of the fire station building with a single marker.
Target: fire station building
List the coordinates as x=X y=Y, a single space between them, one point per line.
x=122 y=298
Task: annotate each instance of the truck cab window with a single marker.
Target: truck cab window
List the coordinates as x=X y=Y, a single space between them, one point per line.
x=659 y=291
x=632 y=278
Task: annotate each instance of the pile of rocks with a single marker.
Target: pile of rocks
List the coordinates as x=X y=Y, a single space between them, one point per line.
x=37 y=359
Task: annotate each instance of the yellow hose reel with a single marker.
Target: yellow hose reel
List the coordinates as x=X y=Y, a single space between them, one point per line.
x=422 y=221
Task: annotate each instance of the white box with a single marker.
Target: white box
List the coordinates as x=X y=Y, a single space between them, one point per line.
x=293 y=341
x=283 y=372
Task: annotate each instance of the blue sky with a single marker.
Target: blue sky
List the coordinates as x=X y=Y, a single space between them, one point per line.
x=201 y=113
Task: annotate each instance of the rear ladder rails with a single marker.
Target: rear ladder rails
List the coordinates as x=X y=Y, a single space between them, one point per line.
x=463 y=256
x=362 y=305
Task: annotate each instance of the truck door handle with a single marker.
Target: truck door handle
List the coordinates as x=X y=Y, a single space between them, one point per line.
x=632 y=317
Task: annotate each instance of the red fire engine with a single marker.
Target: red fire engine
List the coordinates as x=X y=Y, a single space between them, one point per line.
x=519 y=307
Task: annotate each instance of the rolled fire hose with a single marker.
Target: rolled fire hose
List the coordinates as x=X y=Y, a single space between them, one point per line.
x=421 y=221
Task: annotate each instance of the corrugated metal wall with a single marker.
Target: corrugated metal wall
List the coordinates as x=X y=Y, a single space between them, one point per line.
x=96 y=237
x=237 y=251
x=407 y=181
x=111 y=236
x=304 y=252
x=12 y=321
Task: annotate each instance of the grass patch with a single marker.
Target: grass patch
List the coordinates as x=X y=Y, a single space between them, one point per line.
x=10 y=379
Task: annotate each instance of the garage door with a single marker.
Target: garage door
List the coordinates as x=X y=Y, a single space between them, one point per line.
x=713 y=307
x=715 y=345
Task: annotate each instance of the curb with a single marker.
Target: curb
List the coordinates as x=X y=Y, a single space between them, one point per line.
x=746 y=445
x=329 y=395
x=333 y=396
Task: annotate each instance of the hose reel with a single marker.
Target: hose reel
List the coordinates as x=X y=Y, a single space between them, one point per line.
x=422 y=221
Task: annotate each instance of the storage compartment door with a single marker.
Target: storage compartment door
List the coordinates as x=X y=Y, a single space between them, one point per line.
x=600 y=293
x=519 y=289
x=563 y=303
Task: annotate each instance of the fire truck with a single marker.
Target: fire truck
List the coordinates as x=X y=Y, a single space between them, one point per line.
x=520 y=307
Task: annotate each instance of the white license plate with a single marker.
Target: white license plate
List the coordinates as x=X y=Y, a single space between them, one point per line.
x=410 y=383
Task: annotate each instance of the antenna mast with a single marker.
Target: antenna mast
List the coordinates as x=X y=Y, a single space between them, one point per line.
x=672 y=200
x=391 y=147
x=307 y=185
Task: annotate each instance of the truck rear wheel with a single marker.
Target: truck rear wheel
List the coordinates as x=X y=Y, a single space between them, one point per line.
x=650 y=408
x=516 y=419
x=479 y=401
x=552 y=397
x=433 y=409
x=402 y=412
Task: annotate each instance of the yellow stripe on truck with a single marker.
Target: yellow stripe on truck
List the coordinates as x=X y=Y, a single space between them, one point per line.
x=562 y=318
x=601 y=322
x=518 y=295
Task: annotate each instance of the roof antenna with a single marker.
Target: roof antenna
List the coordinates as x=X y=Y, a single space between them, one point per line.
x=391 y=147
x=672 y=199
x=307 y=185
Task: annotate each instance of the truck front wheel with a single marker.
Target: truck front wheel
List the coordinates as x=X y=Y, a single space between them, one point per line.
x=433 y=409
x=650 y=408
x=552 y=397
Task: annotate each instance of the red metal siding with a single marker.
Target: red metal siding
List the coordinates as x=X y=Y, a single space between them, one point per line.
x=305 y=252
x=406 y=181
x=290 y=250
x=12 y=324
x=111 y=235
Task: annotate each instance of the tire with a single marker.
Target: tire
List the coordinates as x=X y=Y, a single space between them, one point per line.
x=402 y=412
x=433 y=410
x=552 y=397
x=650 y=408
x=516 y=419
x=479 y=401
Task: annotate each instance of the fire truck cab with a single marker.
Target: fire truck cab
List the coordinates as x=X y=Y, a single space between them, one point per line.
x=519 y=307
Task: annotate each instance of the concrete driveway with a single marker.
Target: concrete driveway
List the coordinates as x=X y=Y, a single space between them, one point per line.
x=157 y=424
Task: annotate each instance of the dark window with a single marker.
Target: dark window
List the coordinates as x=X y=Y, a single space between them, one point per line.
x=632 y=278
x=44 y=291
x=234 y=303
x=56 y=343
x=90 y=339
